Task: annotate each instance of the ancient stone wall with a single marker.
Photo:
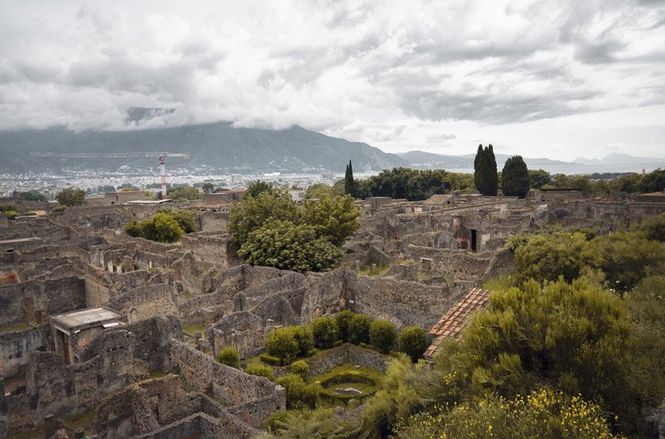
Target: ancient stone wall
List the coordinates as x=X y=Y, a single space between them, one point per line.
x=16 y=346
x=346 y=354
x=214 y=221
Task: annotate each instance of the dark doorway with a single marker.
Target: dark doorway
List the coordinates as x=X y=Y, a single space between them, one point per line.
x=64 y=339
x=474 y=240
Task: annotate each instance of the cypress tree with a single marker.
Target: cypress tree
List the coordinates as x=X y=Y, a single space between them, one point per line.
x=493 y=176
x=477 y=167
x=515 y=177
x=349 y=184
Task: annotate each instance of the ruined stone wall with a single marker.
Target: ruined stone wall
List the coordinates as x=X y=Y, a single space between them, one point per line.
x=146 y=301
x=347 y=354
x=209 y=248
x=33 y=301
x=16 y=346
x=214 y=221
x=228 y=385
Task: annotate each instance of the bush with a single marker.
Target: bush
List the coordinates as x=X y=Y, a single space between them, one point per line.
x=542 y=414
x=71 y=196
x=229 y=356
x=654 y=228
x=298 y=393
x=413 y=342
x=383 y=335
x=304 y=338
x=343 y=318
x=300 y=368
x=282 y=344
x=359 y=328
x=186 y=219
x=161 y=227
x=133 y=228
x=271 y=360
x=324 y=330
x=11 y=214
x=260 y=370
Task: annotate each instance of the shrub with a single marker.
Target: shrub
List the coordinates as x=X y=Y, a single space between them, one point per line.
x=133 y=228
x=71 y=196
x=282 y=343
x=303 y=336
x=11 y=214
x=383 y=335
x=300 y=368
x=229 y=356
x=186 y=219
x=654 y=228
x=298 y=393
x=359 y=328
x=413 y=342
x=260 y=370
x=161 y=227
x=324 y=330
x=343 y=318
x=269 y=359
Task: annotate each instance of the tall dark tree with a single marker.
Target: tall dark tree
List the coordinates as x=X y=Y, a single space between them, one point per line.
x=515 y=177
x=477 y=165
x=349 y=184
x=486 y=177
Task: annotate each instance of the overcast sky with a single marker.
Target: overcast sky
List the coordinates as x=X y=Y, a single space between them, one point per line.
x=555 y=78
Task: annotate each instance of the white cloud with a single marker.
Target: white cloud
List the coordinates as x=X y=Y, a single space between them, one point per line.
x=400 y=75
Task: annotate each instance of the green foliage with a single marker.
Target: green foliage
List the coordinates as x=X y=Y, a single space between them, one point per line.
x=515 y=177
x=333 y=218
x=255 y=211
x=412 y=341
x=161 y=227
x=349 y=183
x=298 y=393
x=548 y=256
x=304 y=338
x=319 y=190
x=282 y=344
x=654 y=228
x=184 y=193
x=32 y=196
x=270 y=359
x=11 y=214
x=186 y=219
x=486 y=177
x=300 y=368
x=343 y=318
x=321 y=423
x=229 y=356
x=207 y=187
x=543 y=413
x=383 y=335
x=457 y=181
x=646 y=307
x=257 y=187
x=325 y=331
x=654 y=181
x=261 y=370
x=285 y=245
x=358 y=328
x=539 y=178
x=71 y=196
x=406 y=183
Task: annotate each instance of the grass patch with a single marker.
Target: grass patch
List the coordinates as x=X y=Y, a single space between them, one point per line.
x=191 y=330
x=374 y=271
x=14 y=328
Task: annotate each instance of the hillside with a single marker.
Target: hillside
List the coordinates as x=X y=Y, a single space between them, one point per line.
x=216 y=145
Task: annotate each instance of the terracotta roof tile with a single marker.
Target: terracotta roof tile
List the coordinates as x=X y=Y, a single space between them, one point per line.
x=453 y=322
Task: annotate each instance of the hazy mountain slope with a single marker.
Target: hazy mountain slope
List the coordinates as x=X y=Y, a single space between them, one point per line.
x=216 y=145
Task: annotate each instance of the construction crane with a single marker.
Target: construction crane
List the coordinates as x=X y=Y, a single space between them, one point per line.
x=120 y=155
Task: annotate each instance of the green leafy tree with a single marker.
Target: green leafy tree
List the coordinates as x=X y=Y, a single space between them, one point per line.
x=359 y=328
x=184 y=193
x=343 y=319
x=654 y=228
x=654 y=181
x=229 y=356
x=349 y=184
x=255 y=211
x=161 y=227
x=257 y=187
x=319 y=190
x=539 y=178
x=515 y=177
x=298 y=393
x=207 y=187
x=285 y=245
x=71 y=196
x=133 y=228
x=334 y=218
x=413 y=342
x=282 y=344
x=383 y=335
x=32 y=196
x=546 y=256
x=325 y=331
x=186 y=219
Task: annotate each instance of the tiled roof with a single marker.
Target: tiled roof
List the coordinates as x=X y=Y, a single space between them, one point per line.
x=452 y=322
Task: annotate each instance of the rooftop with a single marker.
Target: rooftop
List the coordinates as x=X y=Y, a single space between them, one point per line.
x=453 y=322
x=86 y=317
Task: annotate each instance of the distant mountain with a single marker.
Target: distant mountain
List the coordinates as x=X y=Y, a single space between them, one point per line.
x=215 y=145
x=612 y=163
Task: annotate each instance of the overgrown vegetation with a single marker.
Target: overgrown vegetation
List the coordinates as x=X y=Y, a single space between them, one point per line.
x=163 y=226
x=269 y=228
x=70 y=196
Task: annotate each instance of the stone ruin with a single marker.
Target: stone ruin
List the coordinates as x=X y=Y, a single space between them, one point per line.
x=94 y=321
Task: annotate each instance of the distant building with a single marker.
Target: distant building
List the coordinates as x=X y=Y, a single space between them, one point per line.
x=123 y=197
x=217 y=198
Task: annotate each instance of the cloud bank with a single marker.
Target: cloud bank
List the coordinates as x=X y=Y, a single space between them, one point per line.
x=441 y=76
